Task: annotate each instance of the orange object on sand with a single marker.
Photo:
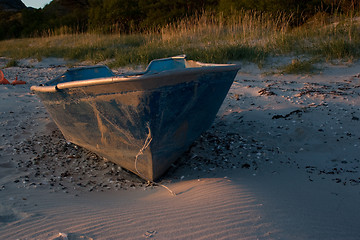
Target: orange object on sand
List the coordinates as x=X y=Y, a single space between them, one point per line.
x=3 y=80
x=16 y=82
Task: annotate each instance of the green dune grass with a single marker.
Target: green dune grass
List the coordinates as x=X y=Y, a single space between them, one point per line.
x=246 y=36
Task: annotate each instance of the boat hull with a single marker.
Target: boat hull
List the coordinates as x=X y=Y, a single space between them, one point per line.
x=143 y=125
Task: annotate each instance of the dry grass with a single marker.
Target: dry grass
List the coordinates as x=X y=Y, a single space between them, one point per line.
x=244 y=35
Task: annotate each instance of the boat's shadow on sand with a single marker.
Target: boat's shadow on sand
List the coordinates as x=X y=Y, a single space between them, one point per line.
x=225 y=146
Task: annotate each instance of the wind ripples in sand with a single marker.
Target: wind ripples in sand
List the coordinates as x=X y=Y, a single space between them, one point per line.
x=206 y=209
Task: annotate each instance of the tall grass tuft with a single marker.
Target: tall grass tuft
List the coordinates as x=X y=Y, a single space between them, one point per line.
x=298 y=67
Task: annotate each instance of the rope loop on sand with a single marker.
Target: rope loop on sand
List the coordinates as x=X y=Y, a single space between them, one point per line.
x=141 y=152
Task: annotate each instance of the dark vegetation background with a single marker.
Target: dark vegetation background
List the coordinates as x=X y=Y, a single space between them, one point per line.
x=134 y=16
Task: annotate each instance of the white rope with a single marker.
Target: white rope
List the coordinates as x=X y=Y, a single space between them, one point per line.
x=141 y=152
x=146 y=144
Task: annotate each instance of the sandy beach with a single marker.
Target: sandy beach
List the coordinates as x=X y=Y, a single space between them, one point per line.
x=281 y=161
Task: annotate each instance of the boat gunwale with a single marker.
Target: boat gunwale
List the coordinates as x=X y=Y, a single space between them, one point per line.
x=136 y=77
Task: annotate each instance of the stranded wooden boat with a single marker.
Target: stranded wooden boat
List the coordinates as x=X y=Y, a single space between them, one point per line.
x=141 y=121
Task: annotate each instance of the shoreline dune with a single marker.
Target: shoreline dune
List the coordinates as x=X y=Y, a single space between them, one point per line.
x=280 y=162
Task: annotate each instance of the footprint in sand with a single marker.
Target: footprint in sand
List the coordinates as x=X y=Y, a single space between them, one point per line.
x=8 y=214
